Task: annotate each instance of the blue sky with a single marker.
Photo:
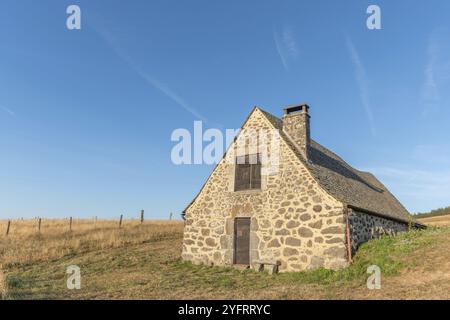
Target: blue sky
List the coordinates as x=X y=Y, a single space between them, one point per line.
x=86 y=115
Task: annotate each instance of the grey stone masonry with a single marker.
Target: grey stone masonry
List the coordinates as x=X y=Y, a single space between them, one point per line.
x=364 y=227
x=293 y=220
x=300 y=215
x=296 y=125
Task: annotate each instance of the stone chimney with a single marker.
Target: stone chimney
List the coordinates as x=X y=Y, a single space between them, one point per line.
x=296 y=125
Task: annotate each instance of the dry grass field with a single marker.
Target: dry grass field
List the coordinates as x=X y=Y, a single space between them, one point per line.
x=142 y=262
x=443 y=220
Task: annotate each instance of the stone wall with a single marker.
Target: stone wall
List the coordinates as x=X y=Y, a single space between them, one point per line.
x=293 y=220
x=364 y=227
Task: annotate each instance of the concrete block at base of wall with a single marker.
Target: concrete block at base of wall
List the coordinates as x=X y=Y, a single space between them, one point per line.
x=270 y=267
x=258 y=267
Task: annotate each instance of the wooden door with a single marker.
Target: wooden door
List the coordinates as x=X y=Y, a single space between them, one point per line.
x=242 y=241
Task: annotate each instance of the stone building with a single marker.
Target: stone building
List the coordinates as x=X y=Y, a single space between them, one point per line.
x=306 y=210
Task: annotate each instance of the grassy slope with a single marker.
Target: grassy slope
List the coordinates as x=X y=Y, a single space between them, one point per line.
x=414 y=265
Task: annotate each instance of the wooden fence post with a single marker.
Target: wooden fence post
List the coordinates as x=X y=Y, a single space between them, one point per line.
x=70 y=224
x=7 y=228
x=39 y=225
x=120 y=221
x=142 y=216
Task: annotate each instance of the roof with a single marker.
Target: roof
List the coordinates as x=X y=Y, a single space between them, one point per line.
x=357 y=189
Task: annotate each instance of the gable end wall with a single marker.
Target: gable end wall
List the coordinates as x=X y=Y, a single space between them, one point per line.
x=293 y=220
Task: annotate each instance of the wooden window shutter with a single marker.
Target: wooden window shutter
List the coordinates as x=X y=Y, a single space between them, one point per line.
x=255 y=176
x=242 y=174
x=248 y=172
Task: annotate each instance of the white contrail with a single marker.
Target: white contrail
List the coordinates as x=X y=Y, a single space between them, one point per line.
x=430 y=92
x=361 y=79
x=286 y=46
x=108 y=37
x=7 y=110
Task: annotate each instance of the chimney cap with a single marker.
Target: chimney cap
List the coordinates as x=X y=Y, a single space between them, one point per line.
x=302 y=107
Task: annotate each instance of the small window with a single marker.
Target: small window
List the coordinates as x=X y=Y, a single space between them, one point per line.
x=248 y=173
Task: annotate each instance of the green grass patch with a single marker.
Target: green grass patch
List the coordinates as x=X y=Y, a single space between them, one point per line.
x=388 y=253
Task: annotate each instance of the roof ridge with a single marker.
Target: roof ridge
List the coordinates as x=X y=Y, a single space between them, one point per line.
x=335 y=154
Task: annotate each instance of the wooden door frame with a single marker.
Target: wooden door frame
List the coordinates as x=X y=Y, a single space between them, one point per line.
x=235 y=237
